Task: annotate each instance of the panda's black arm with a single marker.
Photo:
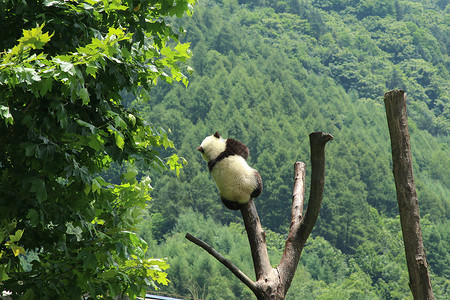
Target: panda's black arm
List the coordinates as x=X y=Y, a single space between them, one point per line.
x=259 y=186
x=235 y=147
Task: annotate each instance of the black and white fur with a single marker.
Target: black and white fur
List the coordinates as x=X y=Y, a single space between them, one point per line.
x=238 y=183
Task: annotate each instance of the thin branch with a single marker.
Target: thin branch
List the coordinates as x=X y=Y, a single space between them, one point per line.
x=298 y=193
x=296 y=216
x=226 y=262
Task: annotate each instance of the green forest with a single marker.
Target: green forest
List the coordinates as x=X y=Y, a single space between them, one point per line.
x=268 y=73
x=104 y=102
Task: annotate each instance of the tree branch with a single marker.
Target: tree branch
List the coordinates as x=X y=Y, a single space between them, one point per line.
x=408 y=204
x=317 y=141
x=288 y=261
x=257 y=239
x=226 y=262
x=301 y=227
x=298 y=193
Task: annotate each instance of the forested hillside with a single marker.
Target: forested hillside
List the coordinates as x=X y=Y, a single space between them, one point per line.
x=268 y=73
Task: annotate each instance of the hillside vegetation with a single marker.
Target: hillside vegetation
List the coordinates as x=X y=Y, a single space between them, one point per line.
x=268 y=73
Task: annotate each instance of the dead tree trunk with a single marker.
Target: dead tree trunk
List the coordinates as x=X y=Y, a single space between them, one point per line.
x=419 y=279
x=273 y=283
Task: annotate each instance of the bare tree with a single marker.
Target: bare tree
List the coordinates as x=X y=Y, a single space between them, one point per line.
x=273 y=283
x=419 y=279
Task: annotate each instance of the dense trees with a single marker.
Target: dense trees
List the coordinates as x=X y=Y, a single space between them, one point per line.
x=273 y=82
x=65 y=231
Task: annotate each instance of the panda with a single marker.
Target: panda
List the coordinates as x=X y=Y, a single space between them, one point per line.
x=237 y=182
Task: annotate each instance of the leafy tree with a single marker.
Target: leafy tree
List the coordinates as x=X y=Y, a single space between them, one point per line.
x=65 y=231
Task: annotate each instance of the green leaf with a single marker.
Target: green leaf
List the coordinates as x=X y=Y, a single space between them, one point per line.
x=67 y=67
x=130 y=175
x=174 y=164
x=38 y=187
x=91 y=70
x=119 y=122
x=16 y=237
x=3 y=275
x=84 y=95
x=120 y=142
x=87 y=188
x=134 y=238
x=35 y=37
x=29 y=294
x=88 y=125
x=96 y=187
x=95 y=142
x=46 y=86
x=5 y=114
x=183 y=49
x=17 y=249
x=33 y=216
x=30 y=150
x=74 y=230
x=51 y=2
x=132 y=118
x=108 y=274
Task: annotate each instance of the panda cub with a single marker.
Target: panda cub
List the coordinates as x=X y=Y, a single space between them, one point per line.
x=238 y=183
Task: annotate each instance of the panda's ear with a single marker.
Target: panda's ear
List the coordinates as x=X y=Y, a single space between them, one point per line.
x=217 y=135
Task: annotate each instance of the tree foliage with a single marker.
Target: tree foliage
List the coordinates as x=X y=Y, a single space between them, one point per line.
x=65 y=231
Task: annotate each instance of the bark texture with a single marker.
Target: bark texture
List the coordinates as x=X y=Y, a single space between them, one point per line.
x=273 y=283
x=419 y=278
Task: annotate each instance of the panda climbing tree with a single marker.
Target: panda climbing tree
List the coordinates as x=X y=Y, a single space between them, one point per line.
x=238 y=184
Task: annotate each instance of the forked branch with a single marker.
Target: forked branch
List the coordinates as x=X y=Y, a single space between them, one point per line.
x=273 y=283
x=301 y=227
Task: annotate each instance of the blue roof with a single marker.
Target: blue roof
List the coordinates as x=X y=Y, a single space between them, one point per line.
x=149 y=296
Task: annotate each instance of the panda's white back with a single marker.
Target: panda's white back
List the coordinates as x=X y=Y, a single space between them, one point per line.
x=235 y=179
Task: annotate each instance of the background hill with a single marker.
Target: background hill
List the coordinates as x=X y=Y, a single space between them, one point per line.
x=268 y=73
